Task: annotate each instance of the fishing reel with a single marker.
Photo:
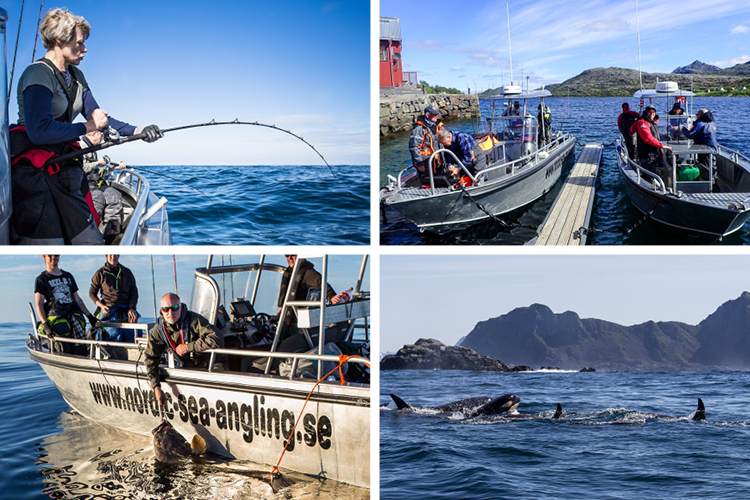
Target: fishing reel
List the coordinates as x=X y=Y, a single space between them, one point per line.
x=111 y=135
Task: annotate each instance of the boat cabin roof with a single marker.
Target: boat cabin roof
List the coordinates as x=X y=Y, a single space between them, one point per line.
x=523 y=95
x=652 y=93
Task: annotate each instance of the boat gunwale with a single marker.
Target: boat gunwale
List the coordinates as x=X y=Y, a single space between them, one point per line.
x=255 y=383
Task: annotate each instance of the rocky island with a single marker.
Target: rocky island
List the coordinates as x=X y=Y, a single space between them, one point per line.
x=431 y=354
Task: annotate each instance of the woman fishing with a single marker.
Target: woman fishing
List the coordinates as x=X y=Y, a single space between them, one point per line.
x=50 y=203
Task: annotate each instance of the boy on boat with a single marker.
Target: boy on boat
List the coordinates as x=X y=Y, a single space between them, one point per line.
x=59 y=307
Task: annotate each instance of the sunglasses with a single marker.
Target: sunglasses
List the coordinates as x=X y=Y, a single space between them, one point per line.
x=170 y=308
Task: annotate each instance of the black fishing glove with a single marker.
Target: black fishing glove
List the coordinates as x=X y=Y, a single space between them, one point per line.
x=153 y=133
x=93 y=320
x=47 y=328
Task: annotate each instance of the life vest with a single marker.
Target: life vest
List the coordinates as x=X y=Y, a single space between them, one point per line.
x=488 y=143
x=425 y=148
x=647 y=151
x=21 y=146
x=184 y=330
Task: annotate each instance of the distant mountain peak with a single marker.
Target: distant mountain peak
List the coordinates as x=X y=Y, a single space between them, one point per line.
x=696 y=67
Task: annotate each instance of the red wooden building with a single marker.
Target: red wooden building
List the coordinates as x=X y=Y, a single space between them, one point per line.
x=391 y=68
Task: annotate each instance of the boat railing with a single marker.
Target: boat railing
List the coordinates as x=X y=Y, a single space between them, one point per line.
x=98 y=353
x=458 y=162
x=660 y=186
x=514 y=167
x=735 y=155
x=139 y=189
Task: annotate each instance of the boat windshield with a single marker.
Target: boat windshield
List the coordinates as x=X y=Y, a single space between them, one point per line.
x=221 y=285
x=519 y=134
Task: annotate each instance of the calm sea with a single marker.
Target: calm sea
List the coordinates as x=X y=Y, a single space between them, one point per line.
x=590 y=120
x=49 y=451
x=609 y=444
x=266 y=205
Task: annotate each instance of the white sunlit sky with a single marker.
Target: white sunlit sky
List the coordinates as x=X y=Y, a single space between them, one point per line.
x=465 y=44
x=444 y=296
x=302 y=66
x=20 y=271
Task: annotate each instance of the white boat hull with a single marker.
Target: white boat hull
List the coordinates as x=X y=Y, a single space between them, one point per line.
x=240 y=415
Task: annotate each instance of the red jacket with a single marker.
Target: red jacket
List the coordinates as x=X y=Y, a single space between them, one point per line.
x=643 y=127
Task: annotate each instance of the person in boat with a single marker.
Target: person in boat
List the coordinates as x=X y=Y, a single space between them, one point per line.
x=61 y=311
x=107 y=199
x=422 y=142
x=514 y=110
x=544 y=118
x=49 y=203
x=624 y=122
x=187 y=334
x=466 y=149
x=674 y=123
x=676 y=109
x=650 y=149
x=703 y=130
x=306 y=286
x=114 y=291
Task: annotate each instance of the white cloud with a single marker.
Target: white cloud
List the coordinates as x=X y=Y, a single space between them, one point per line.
x=731 y=62
x=739 y=29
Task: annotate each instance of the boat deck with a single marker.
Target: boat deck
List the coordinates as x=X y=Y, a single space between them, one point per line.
x=414 y=193
x=572 y=207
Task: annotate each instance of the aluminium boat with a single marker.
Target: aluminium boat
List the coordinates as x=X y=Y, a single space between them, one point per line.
x=250 y=410
x=521 y=168
x=707 y=193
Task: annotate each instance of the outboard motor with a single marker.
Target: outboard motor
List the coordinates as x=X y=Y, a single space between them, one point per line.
x=5 y=200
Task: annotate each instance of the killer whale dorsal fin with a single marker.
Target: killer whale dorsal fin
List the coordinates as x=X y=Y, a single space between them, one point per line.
x=400 y=403
x=558 y=412
x=700 y=412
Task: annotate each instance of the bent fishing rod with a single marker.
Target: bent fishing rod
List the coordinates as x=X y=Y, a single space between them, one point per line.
x=117 y=140
x=111 y=164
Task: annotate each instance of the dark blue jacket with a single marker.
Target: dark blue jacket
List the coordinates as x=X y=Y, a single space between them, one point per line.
x=462 y=146
x=704 y=132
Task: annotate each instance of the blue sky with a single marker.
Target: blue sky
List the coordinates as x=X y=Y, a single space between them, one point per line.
x=465 y=44
x=299 y=65
x=443 y=297
x=20 y=271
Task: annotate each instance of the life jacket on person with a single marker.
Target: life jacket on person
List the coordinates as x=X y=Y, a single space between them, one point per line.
x=21 y=146
x=185 y=336
x=646 y=151
x=427 y=146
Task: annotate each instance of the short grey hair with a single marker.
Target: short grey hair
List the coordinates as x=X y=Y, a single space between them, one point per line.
x=443 y=135
x=61 y=24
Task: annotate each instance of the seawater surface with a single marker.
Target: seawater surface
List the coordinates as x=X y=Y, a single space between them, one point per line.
x=50 y=451
x=265 y=205
x=615 y=439
x=590 y=119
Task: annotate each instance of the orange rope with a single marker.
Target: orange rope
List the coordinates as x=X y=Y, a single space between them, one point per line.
x=342 y=359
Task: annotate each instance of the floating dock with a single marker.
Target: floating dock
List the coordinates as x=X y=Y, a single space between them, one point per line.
x=572 y=208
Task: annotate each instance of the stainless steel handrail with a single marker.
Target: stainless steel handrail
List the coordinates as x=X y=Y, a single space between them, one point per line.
x=638 y=169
